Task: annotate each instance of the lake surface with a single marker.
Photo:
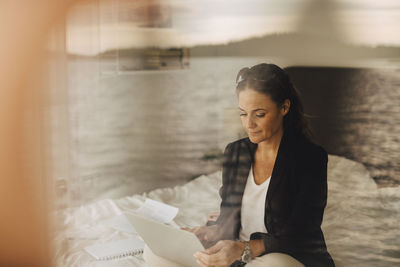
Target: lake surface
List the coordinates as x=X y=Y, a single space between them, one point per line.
x=356 y=114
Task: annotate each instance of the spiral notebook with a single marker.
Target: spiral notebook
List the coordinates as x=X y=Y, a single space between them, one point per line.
x=116 y=249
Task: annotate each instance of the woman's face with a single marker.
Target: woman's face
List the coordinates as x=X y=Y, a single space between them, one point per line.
x=261 y=117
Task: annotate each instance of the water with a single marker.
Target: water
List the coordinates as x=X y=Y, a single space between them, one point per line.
x=137 y=131
x=357 y=115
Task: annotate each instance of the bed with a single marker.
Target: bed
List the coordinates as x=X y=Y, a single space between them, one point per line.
x=360 y=222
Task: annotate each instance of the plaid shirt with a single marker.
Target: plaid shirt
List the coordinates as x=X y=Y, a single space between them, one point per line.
x=295 y=201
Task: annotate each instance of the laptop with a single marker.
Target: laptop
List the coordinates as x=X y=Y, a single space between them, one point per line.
x=166 y=241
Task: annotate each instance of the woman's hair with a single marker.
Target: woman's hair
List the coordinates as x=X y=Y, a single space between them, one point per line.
x=271 y=80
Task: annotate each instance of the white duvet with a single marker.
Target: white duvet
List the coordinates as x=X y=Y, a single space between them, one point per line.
x=360 y=222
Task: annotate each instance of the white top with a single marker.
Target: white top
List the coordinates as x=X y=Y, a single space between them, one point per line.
x=253 y=207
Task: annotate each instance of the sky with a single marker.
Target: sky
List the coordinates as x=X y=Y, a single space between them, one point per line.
x=199 y=22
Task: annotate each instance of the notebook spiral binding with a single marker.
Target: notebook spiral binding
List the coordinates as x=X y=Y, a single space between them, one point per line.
x=123 y=255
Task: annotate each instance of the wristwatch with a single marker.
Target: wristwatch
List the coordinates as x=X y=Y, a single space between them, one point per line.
x=246 y=256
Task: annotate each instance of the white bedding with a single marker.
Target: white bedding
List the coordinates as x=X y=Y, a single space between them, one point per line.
x=360 y=222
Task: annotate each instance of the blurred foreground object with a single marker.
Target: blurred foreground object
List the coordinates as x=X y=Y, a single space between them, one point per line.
x=23 y=199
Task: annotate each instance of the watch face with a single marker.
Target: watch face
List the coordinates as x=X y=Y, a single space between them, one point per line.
x=246 y=257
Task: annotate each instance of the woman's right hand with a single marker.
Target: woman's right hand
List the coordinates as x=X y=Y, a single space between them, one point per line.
x=208 y=235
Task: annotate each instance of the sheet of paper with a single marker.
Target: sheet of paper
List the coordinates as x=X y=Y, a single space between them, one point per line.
x=120 y=223
x=158 y=211
x=115 y=249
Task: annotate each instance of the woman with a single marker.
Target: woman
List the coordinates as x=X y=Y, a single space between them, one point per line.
x=274 y=187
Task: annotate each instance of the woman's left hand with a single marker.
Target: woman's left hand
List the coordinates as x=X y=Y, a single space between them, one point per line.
x=224 y=253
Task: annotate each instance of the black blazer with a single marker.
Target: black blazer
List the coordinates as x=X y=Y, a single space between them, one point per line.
x=295 y=201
